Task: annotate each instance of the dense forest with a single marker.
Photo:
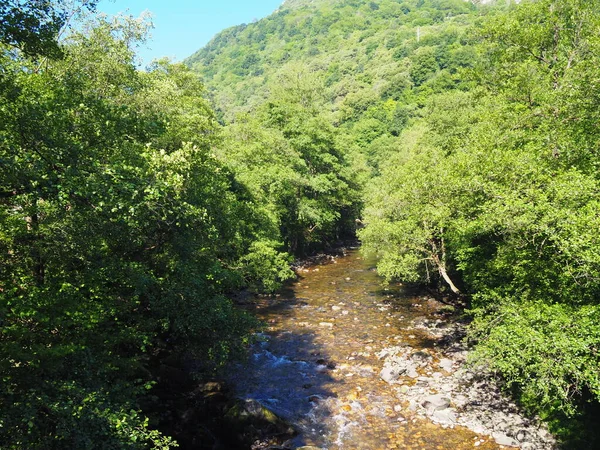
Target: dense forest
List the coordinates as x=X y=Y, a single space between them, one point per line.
x=459 y=141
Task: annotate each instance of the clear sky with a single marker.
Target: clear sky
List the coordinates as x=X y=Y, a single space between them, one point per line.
x=183 y=26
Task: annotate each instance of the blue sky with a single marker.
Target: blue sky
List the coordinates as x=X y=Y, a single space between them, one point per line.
x=183 y=26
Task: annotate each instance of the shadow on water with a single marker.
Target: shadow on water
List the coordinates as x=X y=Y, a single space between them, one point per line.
x=289 y=370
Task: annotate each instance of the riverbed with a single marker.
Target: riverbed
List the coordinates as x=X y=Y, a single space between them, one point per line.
x=321 y=365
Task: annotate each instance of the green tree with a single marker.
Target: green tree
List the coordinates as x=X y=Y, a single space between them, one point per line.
x=506 y=178
x=293 y=164
x=33 y=27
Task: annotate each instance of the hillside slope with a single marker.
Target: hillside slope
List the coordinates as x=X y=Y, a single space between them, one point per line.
x=365 y=51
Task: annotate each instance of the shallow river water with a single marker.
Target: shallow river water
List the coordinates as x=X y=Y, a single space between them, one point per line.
x=317 y=364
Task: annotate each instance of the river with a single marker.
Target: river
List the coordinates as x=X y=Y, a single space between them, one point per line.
x=317 y=364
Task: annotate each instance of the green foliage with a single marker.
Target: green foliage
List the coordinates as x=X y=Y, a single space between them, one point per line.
x=265 y=267
x=288 y=159
x=127 y=212
x=122 y=234
x=33 y=27
x=331 y=84
x=503 y=182
x=364 y=50
x=423 y=65
x=549 y=377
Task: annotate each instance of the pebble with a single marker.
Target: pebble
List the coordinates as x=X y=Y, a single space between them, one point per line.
x=446 y=364
x=445 y=416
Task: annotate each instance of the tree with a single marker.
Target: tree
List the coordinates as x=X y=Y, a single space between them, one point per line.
x=293 y=164
x=34 y=26
x=506 y=178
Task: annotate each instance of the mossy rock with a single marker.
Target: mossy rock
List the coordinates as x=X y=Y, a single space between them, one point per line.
x=252 y=412
x=251 y=420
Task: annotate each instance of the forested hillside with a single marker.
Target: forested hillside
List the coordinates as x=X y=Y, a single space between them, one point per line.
x=362 y=51
x=345 y=78
x=471 y=134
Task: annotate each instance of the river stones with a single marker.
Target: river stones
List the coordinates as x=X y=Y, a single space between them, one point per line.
x=396 y=366
x=476 y=397
x=444 y=417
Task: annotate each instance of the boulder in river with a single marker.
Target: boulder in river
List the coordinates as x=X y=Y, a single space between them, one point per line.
x=251 y=420
x=436 y=402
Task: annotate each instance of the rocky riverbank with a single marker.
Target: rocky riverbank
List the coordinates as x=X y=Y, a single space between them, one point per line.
x=437 y=384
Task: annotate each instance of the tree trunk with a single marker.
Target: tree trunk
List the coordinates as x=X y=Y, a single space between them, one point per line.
x=39 y=269
x=440 y=262
x=447 y=279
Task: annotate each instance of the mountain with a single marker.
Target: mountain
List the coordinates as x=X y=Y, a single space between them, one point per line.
x=365 y=51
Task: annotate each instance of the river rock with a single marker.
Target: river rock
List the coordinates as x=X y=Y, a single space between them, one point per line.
x=446 y=364
x=446 y=417
x=421 y=357
x=249 y=416
x=423 y=381
x=315 y=398
x=390 y=374
x=396 y=366
x=504 y=439
x=522 y=435
x=435 y=402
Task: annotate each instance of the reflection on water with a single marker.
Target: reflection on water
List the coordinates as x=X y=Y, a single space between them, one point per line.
x=317 y=364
